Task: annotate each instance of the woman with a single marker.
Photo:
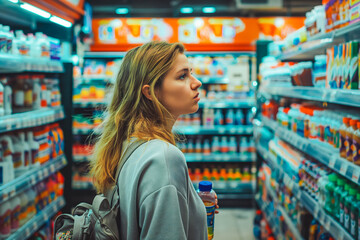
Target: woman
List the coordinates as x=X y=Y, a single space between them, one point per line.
x=157 y=199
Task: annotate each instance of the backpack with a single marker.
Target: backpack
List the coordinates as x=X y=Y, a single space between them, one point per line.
x=96 y=221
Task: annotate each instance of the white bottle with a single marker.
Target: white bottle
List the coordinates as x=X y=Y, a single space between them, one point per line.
x=224 y=145
x=23 y=218
x=215 y=145
x=7 y=96
x=15 y=213
x=10 y=39
x=3 y=40
x=31 y=194
x=7 y=157
x=21 y=43
x=32 y=45
x=18 y=156
x=232 y=145
x=26 y=149
x=5 y=219
x=2 y=109
x=243 y=145
x=34 y=149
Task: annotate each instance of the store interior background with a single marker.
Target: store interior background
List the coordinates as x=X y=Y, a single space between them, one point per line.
x=277 y=131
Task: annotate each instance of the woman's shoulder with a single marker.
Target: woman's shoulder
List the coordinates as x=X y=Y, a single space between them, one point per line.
x=163 y=149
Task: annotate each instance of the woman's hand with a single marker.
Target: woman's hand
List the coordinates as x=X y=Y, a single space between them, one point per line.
x=216 y=204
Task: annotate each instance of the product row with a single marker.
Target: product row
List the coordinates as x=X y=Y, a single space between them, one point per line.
x=81 y=121
x=23 y=93
x=20 y=209
x=338 y=128
x=217 y=117
x=338 y=69
x=286 y=213
x=36 y=45
x=215 y=145
x=222 y=92
x=20 y=151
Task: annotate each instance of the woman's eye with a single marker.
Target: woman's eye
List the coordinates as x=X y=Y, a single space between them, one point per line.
x=183 y=76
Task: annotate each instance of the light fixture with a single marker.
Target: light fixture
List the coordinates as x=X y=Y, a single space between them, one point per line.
x=208 y=9
x=122 y=10
x=186 y=10
x=14 y=1
x=35 y=10
x=60 y=21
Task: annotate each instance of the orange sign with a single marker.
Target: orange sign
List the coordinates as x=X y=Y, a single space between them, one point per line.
x=197 y=34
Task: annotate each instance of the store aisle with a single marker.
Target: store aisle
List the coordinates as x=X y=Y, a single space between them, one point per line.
x=234 y=224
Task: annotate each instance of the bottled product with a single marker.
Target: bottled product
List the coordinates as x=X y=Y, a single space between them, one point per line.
x=344 y=194
x=219 y=118
x=208 y=196
x=337 y=193
x=349 y=139
x=7 y=158
x=239 y=117
x=31 y=194
x=356 y=145
x=230 y=117
x=330 y=198
x=2 y=109
x=224 y=145
x=26 y=150
x=198 y=148
x=343 y=133
x=5 y=219
x=34 y=147
x=232 y=145
x=347 y=208
x=19 y=91
x=7 y=96
x=15 y=212
x=215 y=145
x=354 y=213
x=207 y=149
x=23 y=215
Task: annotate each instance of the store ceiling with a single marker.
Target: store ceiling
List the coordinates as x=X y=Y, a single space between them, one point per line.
x=171 y=8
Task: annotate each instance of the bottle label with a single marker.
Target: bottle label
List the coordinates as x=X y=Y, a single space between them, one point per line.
x=348 y=144
x=1 y=99
x=5 y=223
x=210 y=211
x=356 y=150
x=19 y=99
x=3 y=42
x=342 y=143
x=28 y=98
x=34 y=156
x=26 y=158
x=17 y=160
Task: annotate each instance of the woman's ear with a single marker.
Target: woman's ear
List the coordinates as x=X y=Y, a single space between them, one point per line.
x=146 y=91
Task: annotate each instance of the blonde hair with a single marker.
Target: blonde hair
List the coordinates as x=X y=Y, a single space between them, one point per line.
x=130 y=113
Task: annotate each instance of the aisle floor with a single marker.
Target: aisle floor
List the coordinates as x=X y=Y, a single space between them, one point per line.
x=234 y=224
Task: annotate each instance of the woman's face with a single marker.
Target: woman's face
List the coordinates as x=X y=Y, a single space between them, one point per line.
x=179 y=89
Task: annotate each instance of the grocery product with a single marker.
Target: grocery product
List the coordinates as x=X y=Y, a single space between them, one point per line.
x=356 y=145
x=15 y=213
x=208 y=196
x=5 y=219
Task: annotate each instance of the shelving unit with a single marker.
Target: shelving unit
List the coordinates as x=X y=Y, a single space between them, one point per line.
x=229 y=103
x=31 y=119
x=214 y=130
x=338 y=96
x=31 y=178
x=36 y=222
x=309 y=203
x=17 y=64
x=316 y=45
x=89 y=104
x=323 y=152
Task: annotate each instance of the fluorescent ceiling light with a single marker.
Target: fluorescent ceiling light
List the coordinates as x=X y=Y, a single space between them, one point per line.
x=186 y=10
x=122 y=11
x=35 y=10
x=60 y=21
x=14 y=1
x=208 y=9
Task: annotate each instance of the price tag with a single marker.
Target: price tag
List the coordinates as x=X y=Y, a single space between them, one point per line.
x=291 y=185
x=232 y=130
x=32 y=180
x=5 y=196
x=18 y=125
x=217 y=158
x=298 y=195
x=356 y=175
x=221 y=130
x=344 y=167
x=35 y=225
x=46 y=172
x=316 y=211
x=327 y=224
x=27 y=232
x=55 y=208
x=322 y=217
x=332 y=162
x=46 y=217
x=198 y=157
x=341 y=234
x=52 y=168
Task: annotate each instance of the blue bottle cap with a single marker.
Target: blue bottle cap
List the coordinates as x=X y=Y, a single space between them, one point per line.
x=205 y=186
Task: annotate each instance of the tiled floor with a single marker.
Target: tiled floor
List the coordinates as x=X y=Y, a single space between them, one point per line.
x=234 y=224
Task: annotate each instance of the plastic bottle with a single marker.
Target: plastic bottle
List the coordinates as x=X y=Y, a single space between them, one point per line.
x=15 y=213
x=243 y=145
x=31 y=193
x=337 y=193
x=330 y=198
x=206 y=174
x=23 y=216
x=349 y=139
x=353 y=216
x=344 y=194
x=18 y=156
x=215 y=145
x=26 y=149
x=10 y=41
x=190 y=146
x=2 y=109
x=239 y=117
x=198 y=147
x=347 y=208
x=28 y=92
x=224 y=145
x=207 y=149
x=19 y=93
x=3 y=40
x=232 y=145
x=208 y=197
x=34 y=147
x=356 y=145
x=343 y=132
x=230 y=117
x=5 y=219
x=7 y=158
x=219 y=118
x=7 y=96
x=215 y=174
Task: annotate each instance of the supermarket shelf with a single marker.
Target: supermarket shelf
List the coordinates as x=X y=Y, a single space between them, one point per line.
x=330 y=224
x=79 y=131
x=323 y=152
x=31 y=178
x=219 y=157
x=40 y=219
x=94 y=79
x=16 y=64
x=82 y=185
x=89 y=104
x=31 y=119
x=104 y=54
x=80 y=158
x=210 y=130
x=338 y=96
x=235 y=187
x=270 y=219
x=229 y=103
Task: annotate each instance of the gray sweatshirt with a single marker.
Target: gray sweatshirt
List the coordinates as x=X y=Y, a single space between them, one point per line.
x=157 y=198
